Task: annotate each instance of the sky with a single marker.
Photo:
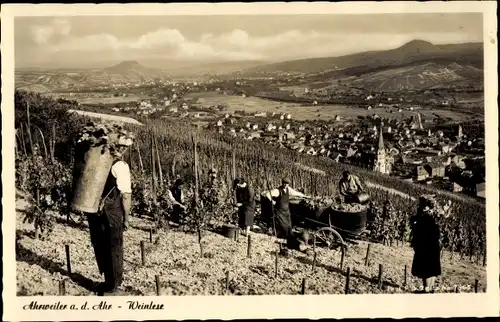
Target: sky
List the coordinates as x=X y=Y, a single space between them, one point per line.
x=99 y=41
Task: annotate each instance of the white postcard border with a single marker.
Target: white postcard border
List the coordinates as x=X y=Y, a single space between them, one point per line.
x=228 y=307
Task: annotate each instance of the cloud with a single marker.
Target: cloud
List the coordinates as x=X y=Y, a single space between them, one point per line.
x=42 y=34
x=234 y=45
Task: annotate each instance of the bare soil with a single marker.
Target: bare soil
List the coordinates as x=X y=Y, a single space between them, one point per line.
x=175 y=257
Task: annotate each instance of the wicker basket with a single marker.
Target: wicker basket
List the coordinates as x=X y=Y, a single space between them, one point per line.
x=89 y=178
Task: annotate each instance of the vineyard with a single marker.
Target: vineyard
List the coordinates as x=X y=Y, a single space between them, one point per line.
x=163 y=151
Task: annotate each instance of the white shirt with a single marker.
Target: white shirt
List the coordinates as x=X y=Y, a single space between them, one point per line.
x=275 y=193
x=121 y=172
x=170 y=197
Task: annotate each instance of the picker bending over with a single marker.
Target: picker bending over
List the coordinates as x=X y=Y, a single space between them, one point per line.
x=176 y=195
x=350 y=187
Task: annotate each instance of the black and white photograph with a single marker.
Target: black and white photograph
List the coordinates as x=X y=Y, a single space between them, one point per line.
x=255 y=154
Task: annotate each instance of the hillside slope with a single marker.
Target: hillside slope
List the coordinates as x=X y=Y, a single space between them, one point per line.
x=417 y=76
x=41 y=264
x=414 y=51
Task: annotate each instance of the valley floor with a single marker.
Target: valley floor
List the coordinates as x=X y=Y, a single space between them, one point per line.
x=175 y=257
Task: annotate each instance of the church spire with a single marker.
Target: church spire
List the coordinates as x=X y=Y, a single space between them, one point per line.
x=380 y=140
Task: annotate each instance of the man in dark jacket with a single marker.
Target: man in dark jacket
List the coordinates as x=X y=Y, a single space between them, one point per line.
x=245 y=201
x=107 y=226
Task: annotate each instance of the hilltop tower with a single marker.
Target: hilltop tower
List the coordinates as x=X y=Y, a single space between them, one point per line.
x=381 y=163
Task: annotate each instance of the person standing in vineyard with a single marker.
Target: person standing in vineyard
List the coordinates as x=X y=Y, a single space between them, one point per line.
x=283 y=218
x=425 y=242
x=245 y=198
x=106 y=227
x=349 y=187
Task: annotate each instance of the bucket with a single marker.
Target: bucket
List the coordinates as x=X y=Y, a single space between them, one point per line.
x=89 y=178
x=363 y=198
x=230 y=231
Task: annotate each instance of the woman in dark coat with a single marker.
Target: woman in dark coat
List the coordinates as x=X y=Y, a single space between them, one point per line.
x=425 y=242
x=245 y=198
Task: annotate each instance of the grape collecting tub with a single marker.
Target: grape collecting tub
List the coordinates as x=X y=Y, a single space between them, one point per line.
x=332 y=226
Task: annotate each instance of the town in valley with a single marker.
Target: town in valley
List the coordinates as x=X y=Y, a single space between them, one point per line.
x=423 y=122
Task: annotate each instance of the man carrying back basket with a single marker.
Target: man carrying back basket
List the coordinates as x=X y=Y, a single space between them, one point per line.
x=108 y=222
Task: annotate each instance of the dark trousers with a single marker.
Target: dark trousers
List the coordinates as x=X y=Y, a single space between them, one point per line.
x=106 y=235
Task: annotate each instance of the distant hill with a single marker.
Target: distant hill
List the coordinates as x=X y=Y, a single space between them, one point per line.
x=213 y=68
x=413 y=51
x=47 y=80
x=415 y=65
x=132 y=68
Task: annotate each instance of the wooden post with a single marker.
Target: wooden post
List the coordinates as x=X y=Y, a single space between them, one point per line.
x=342 y=257
x=367 y=258
x=380 y=271
x=22 y=139
x=46 y=154
x=29 y=129
x=476 y=286
x=314 y=262
x=160 y=171
x=196 y=183
x=141 y=165
x=249 y=248
x=227 y=281
x=406 y=274
x=68 y=259
x=158 y=290
x=153 y=171
x=150 y=235
x=62 y=287
x=347 y=277
x=276 y=266
x=234 y=175
x=456 y=289
x=234 y=164
x=53 y=142
x=303 y=290
x=37 y=200
x=143 y=253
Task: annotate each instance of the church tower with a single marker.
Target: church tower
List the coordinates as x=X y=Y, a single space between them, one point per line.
x=381 y=162
x=460 y=133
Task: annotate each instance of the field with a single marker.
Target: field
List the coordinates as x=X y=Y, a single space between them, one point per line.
x=41 y=264
x=100 y=98
x=303 y=113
